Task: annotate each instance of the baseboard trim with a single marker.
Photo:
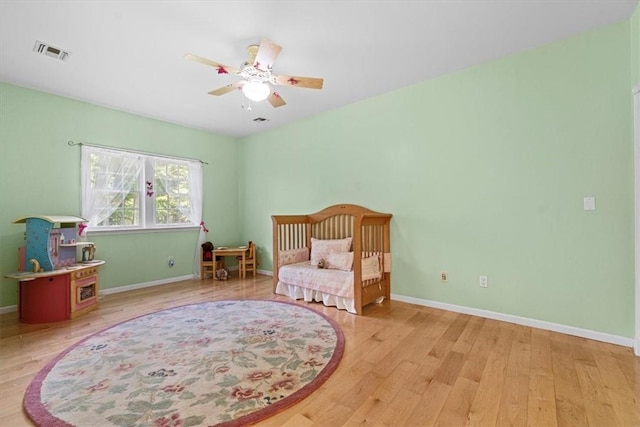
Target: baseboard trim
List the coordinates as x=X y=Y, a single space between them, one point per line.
x=143 y=285
x=8 y=309
x=110 y=291
x=524 y=321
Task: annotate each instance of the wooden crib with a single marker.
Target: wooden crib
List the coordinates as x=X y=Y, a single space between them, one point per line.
x=369 y=231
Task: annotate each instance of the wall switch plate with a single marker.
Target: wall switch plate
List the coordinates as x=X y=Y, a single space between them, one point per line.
x=443 y=276
x=589 y=203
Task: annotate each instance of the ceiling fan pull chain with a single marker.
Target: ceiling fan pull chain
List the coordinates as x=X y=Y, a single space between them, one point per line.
x=247 y=100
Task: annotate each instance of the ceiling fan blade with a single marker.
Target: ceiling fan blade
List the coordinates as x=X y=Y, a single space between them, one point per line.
x=308 y=82
x=226 y=89
x=267 y=54
x=275 y=99
x=222 y=68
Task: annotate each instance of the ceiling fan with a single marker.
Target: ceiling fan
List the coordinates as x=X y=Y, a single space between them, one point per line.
x=257 y=74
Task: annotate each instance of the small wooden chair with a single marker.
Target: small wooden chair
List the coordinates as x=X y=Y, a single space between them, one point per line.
x=210 y=266
x=250 y=259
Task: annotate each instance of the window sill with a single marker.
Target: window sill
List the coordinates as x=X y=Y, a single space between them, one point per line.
x=113 y=231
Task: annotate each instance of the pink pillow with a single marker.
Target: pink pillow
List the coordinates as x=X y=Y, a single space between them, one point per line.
x=292 y=256
x=340 y=261
x=320 y=249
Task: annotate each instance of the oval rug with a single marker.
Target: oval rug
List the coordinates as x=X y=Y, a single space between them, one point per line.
x=215 y=363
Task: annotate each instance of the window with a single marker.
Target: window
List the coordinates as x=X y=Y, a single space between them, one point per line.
x=123 y=190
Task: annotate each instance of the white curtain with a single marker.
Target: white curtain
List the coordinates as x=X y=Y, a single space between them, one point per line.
x=114 y=176
x=196 y=192
x=194 y=210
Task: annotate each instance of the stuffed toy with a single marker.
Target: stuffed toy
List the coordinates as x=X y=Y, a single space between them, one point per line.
x=207 y=251
x=222 y=274
x=322 y=264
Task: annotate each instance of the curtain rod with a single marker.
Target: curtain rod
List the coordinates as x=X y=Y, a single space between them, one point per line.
x=73 y=143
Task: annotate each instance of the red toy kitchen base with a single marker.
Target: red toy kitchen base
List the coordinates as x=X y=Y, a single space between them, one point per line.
x=44 y=300
x=59 y=286
x=58 y=295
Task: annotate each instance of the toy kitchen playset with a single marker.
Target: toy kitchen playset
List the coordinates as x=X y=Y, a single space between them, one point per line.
x=58 y=277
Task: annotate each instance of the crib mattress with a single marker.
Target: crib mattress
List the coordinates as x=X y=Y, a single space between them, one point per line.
x=305 y=275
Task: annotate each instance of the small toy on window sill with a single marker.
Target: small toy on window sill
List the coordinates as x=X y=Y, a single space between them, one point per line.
x=322 y=264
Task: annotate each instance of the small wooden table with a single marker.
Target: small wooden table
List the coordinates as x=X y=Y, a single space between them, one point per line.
x=233 y=251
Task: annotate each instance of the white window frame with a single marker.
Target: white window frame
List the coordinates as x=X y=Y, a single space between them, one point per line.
x=100 y=196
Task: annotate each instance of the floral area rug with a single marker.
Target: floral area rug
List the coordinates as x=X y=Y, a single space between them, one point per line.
x=216 y=363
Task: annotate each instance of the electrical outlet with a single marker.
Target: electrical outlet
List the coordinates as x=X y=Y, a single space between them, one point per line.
x=171 y=262
x=484 y=281
x=443 y=276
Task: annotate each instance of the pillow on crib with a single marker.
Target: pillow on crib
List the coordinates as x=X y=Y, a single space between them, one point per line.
x=340 y=261
x=320 y=249
x=371 y=268
x=291 y=256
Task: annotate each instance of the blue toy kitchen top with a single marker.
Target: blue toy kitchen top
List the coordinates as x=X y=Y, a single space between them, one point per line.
x=52 y=239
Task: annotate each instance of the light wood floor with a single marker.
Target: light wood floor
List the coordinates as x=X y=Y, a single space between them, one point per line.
x=403 y=365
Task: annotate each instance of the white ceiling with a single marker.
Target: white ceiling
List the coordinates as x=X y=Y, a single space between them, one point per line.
x=129 y=55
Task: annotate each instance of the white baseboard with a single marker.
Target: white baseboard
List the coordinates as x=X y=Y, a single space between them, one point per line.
x=636 y=348
x=8 y=309
x=103 y=292
x=144 y=285
x=160 y=282
x=525 y=321
x=541 y=324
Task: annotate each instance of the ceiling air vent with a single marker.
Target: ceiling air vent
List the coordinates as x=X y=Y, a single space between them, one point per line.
x=51 y=51
x=260 y=120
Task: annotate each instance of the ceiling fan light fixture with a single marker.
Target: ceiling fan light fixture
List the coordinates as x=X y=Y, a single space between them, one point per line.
x=256 y=90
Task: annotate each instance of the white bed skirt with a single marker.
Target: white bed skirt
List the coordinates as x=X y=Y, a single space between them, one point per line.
x=309 y=295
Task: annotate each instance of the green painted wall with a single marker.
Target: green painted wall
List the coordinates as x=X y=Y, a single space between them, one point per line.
x=485 y=171
x=635 y=45
x=40 y=174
